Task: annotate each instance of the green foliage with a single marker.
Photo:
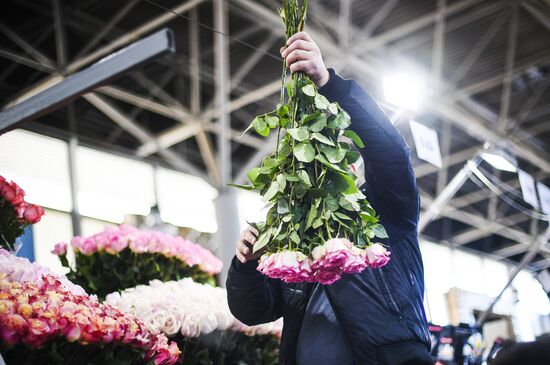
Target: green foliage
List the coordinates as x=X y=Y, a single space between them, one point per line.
x=61 y=352
x=10 y=228
x=102 y=273
x=310 y=193
x=229 y=348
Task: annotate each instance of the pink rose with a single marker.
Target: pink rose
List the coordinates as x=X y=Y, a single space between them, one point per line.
x=59 y=249
x=33 y=213
x=13 y=326
x=377 y=255
x=356 y=261
x=20 y=211
x=12 y=193
x=327 y=277
x=2 y=181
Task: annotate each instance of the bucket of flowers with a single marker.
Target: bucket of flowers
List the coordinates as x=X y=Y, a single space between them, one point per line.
x=45 y=319
x=15 y=213
x=319 y=225
x=198 y=318
x=123 y=257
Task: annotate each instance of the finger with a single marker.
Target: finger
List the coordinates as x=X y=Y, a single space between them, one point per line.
x=244 y=249
x=240 y=257
x=299 y=44
x=300 y=35
x=253 y=230
x=303 y=66
x=250 y=238
x=298 y=55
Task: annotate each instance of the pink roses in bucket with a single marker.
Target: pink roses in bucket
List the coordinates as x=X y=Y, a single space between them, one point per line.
x=328 y=262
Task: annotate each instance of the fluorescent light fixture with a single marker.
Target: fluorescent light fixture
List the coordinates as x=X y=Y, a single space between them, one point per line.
x=499 y=160
x=405 y=90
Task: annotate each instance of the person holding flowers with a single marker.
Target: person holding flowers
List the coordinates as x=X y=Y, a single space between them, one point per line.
x=342 y=303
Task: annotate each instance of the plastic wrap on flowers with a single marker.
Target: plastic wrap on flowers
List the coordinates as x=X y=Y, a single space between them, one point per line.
x=197 y=316
x=123 y=257
x=45 y=321
x=15 y=213
x=319 y=225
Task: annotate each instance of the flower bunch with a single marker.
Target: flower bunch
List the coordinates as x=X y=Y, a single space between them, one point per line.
x=335 y=257
x=184 y=307
x=125 y=256
x=319 y=224
x=21 y=270
x=37 y=313
x=15 y=213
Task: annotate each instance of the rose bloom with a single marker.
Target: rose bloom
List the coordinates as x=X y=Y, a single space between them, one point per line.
x=377 y=255
x=59 y=249
x=33 y=213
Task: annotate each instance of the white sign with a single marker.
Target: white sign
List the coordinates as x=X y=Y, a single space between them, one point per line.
x=544 y=195
x=528 y=188
x=426 y=142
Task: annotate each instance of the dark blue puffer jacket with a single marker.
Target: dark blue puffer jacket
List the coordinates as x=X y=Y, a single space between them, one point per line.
x=377 y=316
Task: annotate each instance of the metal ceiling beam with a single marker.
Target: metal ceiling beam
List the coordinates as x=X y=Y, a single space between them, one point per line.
x=120 y=42
x=108 y=27
x=70 y=88
x=9 y=55
x=509 y=69
x=344 y=20
x=538 y=13
x=203 y=140
x=139 y=132
x=474 y=234
x=27 y=47
x=439 y=42
x=414 y=25
x=447 y=161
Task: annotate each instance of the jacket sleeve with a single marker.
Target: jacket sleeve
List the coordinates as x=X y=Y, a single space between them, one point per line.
x=253 y=298
x=390 y=183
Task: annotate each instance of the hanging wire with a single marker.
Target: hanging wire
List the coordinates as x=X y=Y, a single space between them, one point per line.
x=206 y=26
x=482 y=181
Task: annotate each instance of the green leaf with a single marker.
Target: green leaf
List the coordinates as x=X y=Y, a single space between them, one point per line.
x=281 y=181
x=317 y=223
x=333 y=108
x=294 y=237
x=300 y=134
x=309 y=117
x=304 y=177
x=272 y=121
x=379 y=231
x=270 y=162
x=309 y=90
x=282 y=110
x=339 y=121
x=321 y=102
x=355 y=138
x=322 y=159
x=367 y=218
x=282 y=207
x=240 y=186
x=332 y=203
x=290 y=88
x=263 y=240
x=342 y=216
x=311 y=215
x=319 y=124
x=284 y=148
x=304 y=152
x=253 y=174
x=292 y=178
x=272 y=191
x=352 y=156
x=261 y=126
x=321 y=138
x=333 y=154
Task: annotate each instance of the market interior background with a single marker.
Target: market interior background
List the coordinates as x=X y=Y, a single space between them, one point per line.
x=472 y=98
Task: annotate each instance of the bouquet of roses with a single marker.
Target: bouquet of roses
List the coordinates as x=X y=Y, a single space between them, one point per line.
x=184 y=307
x=123 y=257
x=46 y=320
x=15 y=213
x=197 y=317
x=319 y=225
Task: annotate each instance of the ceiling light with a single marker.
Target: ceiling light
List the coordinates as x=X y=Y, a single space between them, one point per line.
x=500 y=159
x=405 y=90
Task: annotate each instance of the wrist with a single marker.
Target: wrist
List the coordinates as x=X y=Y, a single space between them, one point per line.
x=323 y=78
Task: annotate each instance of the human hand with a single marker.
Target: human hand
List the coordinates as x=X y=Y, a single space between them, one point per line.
x=244 y=245
x=302 y=54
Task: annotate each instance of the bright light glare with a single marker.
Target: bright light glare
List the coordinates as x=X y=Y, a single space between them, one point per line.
x=404 y=90
x=499 y=162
